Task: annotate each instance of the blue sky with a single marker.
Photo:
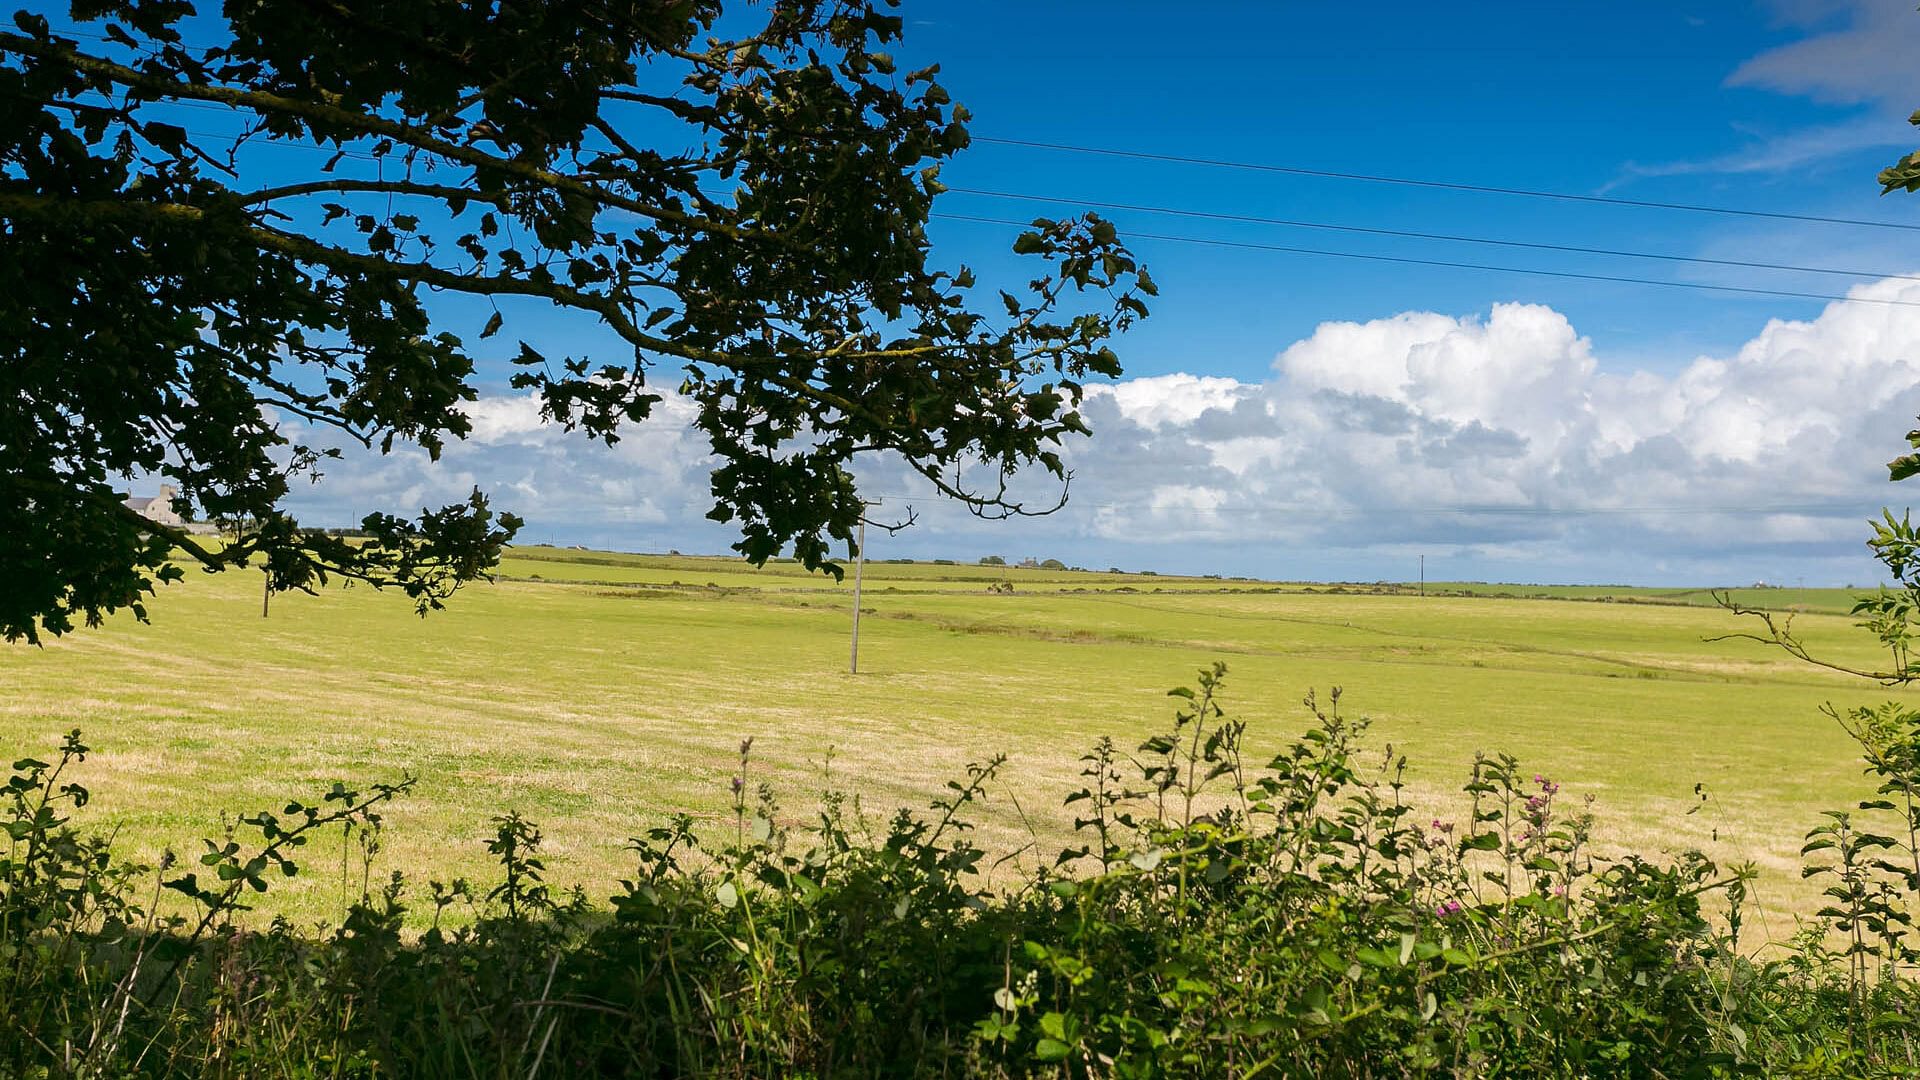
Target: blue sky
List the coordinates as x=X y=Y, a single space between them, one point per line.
x=1578 y=98
x=1296 y=416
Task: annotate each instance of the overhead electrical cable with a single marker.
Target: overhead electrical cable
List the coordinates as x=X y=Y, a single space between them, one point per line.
x=1374 y=231
x=1300 y=223
x=1447 y=185
x=1372 y=178
x=1454 y=265
x=1371 y=257
x=1452 y=238
x=1407 y=234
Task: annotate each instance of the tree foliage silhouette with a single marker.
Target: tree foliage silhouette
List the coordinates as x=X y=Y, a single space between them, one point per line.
x=740 y=197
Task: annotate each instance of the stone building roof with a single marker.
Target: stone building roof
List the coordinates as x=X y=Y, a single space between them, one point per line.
x=155 y=507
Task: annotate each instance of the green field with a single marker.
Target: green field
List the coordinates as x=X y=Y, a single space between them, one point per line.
x=596 y=693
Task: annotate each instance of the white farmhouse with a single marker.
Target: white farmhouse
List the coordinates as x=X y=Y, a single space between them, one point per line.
x=157 y=508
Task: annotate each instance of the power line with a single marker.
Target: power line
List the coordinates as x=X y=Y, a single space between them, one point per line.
x=1401 y=259
x=1405 y=260
x=1294 y=223
x=1445 y=185
x=1363 y=230
x=1371 y=230
x=1371 y=178
x=1450 y=264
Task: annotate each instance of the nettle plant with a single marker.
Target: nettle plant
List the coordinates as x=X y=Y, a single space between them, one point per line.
x=92 y=956
x=1295 y=919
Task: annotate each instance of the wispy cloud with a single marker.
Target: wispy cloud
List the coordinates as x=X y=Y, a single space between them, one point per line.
x=1867 y=60
x=1785 y=152
x=1858 y=53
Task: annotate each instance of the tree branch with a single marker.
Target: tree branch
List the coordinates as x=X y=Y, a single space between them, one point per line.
x=367 y=125
x=21 y=203
x=344 y=185
x=1781 y=636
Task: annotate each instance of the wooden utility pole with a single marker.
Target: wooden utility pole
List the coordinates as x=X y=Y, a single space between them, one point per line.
x=1423 y=574
x=859 y=565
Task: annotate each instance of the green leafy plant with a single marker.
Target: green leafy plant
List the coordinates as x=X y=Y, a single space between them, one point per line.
x=1214 y=916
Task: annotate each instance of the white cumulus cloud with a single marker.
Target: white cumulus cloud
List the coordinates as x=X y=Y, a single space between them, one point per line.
x=1501 y=443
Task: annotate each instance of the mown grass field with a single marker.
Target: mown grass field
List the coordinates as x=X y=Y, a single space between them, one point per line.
x=597 y=693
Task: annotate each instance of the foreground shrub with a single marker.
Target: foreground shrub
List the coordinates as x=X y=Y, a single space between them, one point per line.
x=1216 y=917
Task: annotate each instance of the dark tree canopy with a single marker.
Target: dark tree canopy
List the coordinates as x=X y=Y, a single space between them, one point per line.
x=742 y=198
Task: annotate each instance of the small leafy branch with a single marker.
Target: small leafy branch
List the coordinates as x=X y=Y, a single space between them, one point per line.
x=65 y=901
x=1889 y=614
x=237 y=870
x=1862 y=947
